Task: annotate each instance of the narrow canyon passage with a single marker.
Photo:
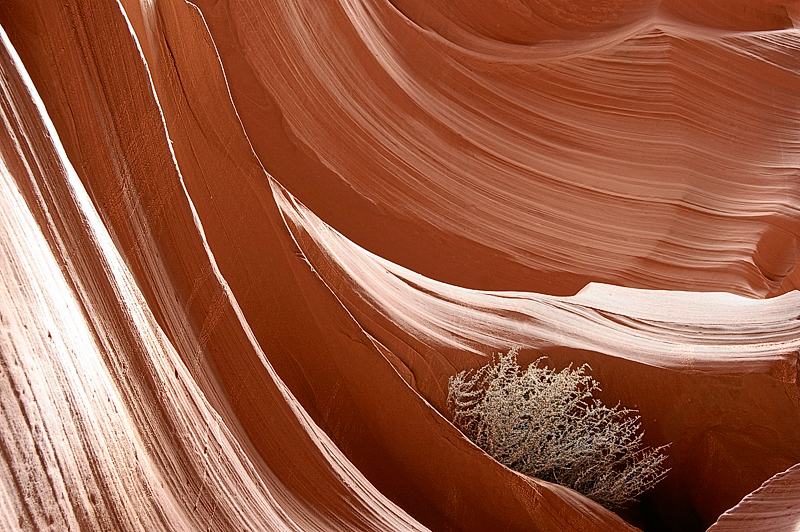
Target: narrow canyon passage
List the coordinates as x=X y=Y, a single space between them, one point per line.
x=244 y=244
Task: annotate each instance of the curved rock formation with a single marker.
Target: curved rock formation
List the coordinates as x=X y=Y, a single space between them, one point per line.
x=629 y=146
x=773 y=506
x=245 y=243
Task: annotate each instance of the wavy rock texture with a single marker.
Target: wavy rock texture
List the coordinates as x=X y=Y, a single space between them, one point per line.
x=773 y=506
x=245 y=243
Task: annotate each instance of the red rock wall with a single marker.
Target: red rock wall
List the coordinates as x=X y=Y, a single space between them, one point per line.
x=244 y=244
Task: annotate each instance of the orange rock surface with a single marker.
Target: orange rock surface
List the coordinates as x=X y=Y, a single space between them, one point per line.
x=245 y=243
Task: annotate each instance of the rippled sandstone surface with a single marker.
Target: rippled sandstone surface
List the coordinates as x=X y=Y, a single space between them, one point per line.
x=245 y=243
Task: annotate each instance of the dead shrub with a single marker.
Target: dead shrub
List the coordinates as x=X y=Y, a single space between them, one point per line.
x=548 y=424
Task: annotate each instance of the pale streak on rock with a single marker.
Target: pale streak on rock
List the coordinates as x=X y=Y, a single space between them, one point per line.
x=705 y=332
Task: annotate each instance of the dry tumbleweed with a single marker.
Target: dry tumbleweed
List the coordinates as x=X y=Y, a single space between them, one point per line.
x=547 y=424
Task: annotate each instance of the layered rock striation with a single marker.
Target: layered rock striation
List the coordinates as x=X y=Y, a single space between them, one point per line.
x=245 y=243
